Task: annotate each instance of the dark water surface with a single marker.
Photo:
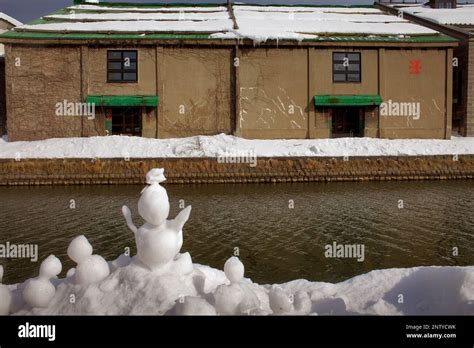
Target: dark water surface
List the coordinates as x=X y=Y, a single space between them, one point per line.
x=276 y=243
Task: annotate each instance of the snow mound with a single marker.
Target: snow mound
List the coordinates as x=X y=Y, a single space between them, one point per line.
x=201 y=290
x=222 y=144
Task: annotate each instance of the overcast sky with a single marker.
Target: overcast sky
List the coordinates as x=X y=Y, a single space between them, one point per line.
x=27 y=10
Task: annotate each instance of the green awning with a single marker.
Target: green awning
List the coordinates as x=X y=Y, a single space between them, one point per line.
x=347 y=100
x=123 y=100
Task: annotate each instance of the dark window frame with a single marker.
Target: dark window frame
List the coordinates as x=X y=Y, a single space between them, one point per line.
x=122 y=69
x=346 y=72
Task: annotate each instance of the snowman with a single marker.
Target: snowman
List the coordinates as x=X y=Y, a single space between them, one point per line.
x=159 y=240
x=90 y=268
x=5 y=296
x=238 y=297
x=40 y=291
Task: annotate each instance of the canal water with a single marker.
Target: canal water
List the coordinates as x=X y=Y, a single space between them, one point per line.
x=279 y=230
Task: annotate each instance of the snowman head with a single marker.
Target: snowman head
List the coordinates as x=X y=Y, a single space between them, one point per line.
x=234 y=269
x=155 y=176
x=79 y=249
x=50 y=267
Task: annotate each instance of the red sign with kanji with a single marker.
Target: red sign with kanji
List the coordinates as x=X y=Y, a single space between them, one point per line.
x=415 y=67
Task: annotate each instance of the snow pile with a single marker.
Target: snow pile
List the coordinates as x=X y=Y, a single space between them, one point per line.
x=259 y=23
x=161 y=280
x=461 y=15
x=222 y=145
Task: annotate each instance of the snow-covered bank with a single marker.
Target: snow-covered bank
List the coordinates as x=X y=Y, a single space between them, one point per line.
x=134 y=290
x=222 y=145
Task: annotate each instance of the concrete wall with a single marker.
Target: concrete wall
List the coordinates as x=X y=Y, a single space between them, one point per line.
x=38 y=78
x=273 y=94
x=194 y=87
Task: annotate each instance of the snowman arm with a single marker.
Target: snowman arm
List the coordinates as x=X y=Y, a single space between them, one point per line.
x=181 y=218
x=128 y=217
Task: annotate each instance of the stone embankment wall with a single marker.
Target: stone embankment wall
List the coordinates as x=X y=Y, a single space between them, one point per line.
x=209 y=170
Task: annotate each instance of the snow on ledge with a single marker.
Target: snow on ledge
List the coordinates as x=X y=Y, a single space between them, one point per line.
x=9 y=19
x=218 y=145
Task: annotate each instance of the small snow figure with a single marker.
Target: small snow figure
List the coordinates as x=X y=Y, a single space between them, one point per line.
x=40 y=291
x=158 y=240
x=5 y=296
x=236 y=298
x=90 y=268
x=281 y=303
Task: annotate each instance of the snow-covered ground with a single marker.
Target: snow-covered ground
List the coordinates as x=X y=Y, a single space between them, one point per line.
x=132 y=289
x=227 y=145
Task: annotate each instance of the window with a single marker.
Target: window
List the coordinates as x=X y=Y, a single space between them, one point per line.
x=346 y=67
x=122 y=66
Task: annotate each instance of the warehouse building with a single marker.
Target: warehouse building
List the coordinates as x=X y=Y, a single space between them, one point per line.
x=6 y=23
x=455 y=20
x=259 y=72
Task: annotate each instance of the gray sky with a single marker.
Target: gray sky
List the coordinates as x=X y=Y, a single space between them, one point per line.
x=27 y=10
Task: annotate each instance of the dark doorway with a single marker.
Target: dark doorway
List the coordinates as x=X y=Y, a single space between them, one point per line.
x=126 y=120
x=347 y=122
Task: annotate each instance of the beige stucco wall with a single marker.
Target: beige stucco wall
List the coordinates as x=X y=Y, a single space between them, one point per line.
x=196 y=93
x=3 y=107
x=469 y=123
x=428 y=88
x=273 y=95
x=194 y=87
x=95 y=83
x=42 y=77
x=321 y=83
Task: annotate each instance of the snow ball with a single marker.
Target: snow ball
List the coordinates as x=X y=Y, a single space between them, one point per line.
x=155 y=176
x=38 y=292
x=5 y=296
x=92 y=270
x=234 y=269
x=5 y=300
x=50 y=267
x=280 y=302
x=194 y=306
x=79 y=249
x=228 y=299
x=302 y=302
x=70 y=272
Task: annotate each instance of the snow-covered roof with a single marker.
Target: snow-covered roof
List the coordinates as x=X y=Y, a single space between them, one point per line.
x=259 y=23
x=461 y=15
x=11 y=20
